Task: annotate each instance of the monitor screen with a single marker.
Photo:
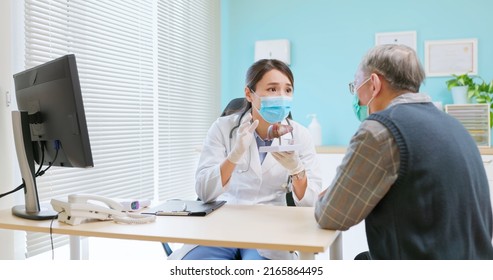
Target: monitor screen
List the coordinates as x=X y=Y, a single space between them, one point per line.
x=49 y=127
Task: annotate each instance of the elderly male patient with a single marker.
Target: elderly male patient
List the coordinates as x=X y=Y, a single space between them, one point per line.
x=411 y=171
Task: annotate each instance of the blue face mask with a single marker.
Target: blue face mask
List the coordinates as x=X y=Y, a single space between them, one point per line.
x=361 y=111
x=274 y=109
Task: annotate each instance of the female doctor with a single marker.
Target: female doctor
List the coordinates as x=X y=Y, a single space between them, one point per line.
x=231 y=167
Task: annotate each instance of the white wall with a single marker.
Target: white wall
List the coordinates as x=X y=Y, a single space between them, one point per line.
x=5 y=85
x=12 y=243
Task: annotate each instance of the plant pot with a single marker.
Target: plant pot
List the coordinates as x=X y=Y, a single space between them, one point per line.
x=459 y=95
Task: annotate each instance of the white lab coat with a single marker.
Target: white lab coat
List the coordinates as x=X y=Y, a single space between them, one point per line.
x=252 y=182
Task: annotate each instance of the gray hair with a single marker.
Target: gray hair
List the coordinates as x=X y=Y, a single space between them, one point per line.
x=398 y=64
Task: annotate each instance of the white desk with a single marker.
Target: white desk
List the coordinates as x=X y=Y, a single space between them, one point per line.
x=240 y=226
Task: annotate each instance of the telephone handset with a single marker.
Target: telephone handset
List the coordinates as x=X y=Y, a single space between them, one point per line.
x=86 y=207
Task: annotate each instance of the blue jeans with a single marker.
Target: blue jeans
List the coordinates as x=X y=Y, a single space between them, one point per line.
x=222 y=253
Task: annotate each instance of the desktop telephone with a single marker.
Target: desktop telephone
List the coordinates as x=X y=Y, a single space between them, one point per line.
x=82 y=208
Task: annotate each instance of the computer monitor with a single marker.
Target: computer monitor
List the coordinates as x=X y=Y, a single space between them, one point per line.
x=49 y=127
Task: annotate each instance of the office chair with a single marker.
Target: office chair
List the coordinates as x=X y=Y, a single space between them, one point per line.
x=234 y=106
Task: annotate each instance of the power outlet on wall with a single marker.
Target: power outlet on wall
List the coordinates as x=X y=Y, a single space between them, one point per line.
x=8 y=98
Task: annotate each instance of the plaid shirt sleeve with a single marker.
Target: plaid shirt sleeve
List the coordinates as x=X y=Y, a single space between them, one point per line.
x=367 y=172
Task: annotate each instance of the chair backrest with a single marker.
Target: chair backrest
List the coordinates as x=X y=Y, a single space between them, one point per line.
x=234 y=106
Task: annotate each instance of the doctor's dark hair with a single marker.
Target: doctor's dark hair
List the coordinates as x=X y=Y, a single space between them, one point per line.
x=259 y=68
x=398 y=64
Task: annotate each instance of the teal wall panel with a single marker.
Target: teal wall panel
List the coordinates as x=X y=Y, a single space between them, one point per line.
x=328 y=38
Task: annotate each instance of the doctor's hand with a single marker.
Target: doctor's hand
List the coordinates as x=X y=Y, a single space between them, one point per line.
x=290 y=160
x=244 y=138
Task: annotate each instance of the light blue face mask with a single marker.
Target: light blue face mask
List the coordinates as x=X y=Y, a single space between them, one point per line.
x=274 y=109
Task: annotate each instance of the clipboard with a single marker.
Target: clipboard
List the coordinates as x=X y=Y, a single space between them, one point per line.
x=178 y=207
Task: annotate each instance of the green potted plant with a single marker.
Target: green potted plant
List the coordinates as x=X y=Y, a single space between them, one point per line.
x=482 y=93
x=460 y=86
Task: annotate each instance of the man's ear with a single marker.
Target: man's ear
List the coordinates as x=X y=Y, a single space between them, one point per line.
x=376 y=84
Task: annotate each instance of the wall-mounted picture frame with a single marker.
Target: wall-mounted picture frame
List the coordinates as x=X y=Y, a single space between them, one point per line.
x=407 y=38
x=449 y=57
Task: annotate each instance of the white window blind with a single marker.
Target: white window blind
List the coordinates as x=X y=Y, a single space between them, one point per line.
x=189 y=85
x=149 y=74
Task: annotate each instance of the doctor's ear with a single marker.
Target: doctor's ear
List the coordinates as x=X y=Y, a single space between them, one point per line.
x=248 y=94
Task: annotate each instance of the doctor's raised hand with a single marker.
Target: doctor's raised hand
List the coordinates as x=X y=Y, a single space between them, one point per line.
x=244 y=138
x=292 y=162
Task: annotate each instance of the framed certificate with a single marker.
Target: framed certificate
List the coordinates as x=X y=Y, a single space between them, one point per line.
x=448 y=57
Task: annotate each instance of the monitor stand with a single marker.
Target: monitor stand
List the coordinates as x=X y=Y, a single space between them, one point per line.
x=23 y=147
x=45 y=212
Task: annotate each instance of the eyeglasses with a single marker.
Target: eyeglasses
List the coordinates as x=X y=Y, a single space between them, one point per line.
x=353 y=89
